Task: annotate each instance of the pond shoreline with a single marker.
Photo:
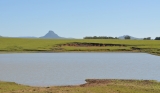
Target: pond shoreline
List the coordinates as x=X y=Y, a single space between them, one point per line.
x=92 y=85
x=6 y=52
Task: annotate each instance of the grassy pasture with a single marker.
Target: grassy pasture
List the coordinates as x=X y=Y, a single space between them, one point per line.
x=26 y=45
x=92 y=86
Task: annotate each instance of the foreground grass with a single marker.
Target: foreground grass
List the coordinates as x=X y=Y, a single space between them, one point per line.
x=51 y=45
x=92 y=86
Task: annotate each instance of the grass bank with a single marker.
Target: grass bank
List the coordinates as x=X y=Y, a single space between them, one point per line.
x=92 y=86
x=69 y=45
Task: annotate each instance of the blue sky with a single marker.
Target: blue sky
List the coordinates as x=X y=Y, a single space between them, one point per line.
x=80 y=18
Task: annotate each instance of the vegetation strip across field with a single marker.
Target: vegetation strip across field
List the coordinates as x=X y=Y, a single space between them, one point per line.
x=88 y=45
x=92 y=86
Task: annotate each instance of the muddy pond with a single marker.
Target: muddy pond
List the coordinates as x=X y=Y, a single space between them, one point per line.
x=52 y=69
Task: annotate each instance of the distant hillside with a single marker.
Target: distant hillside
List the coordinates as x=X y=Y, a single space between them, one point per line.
x=51 y=34
x=123 y=37
x=27 y=37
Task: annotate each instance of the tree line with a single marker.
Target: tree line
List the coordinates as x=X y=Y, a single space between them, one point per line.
x=126 y=37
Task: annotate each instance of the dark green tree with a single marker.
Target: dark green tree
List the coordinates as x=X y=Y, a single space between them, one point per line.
x=157 y=38
x=127 y=37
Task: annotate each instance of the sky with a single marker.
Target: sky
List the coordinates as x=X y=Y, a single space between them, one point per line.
x=80 y=18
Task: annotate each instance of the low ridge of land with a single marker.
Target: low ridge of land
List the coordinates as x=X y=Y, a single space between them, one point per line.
x=79 y=45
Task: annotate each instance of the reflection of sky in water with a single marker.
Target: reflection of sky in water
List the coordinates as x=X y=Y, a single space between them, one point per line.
x=44 y=69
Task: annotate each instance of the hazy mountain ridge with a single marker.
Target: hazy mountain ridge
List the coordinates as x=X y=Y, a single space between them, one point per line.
x=50 y=34
x=27 y=37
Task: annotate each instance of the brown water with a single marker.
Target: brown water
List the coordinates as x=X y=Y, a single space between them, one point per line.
x=48 y=69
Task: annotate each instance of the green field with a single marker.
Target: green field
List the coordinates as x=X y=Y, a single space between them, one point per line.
x=52 y=45
x=92 y=86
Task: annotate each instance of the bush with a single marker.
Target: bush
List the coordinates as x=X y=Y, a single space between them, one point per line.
x=157 y=38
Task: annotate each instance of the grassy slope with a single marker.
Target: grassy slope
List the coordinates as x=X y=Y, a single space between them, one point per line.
x=17 y=44
x=93 y=86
